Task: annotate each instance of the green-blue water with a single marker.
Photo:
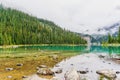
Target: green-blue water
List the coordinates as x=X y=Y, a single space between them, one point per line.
x=83 y=49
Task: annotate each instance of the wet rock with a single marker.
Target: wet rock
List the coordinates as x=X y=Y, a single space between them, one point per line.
x=19 y=64
x=9 y=69
x=107 y=73
x=72 y=75
x=117 y=72
x=45 y=71
x=83 y=71
x=58 y=71
x=9 y=77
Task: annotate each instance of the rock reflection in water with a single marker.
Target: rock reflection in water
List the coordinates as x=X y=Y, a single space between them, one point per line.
x=88 y=62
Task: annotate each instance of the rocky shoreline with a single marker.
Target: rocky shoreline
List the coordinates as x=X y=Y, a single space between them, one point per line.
x=82 y=67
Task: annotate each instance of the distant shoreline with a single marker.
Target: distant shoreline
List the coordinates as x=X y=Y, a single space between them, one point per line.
x=110 y=44
x=16 y=46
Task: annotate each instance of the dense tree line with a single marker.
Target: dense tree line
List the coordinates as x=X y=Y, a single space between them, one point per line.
x=17 y=27
x=114 y=39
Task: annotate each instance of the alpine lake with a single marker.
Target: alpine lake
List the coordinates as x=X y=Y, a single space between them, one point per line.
x=34 y=55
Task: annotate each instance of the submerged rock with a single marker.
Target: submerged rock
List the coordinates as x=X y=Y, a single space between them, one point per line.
x=72 y=75
x=9 y=69
x=9 y=77
x=107 y=73
x=45 y=71
x=19 y=64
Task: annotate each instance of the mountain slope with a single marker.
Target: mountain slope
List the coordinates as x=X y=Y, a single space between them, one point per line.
x=17 y=27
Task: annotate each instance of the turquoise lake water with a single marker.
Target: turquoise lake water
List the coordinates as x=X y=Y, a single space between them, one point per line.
x=81 y=49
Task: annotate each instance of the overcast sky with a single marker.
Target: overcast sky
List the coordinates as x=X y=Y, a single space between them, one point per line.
x=75 y=15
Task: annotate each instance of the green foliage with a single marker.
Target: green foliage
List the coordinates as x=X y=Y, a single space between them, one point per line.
x=17 y=27
x=112 y=39
x=109 y=38
x=119 y=35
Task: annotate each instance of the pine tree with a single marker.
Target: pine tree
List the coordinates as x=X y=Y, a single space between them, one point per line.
x=109 y=38
x=17 y=27
x=119 y=35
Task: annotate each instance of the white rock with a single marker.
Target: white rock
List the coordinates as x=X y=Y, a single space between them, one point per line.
x=72 y=75
x=107 y=73
x=45 y=71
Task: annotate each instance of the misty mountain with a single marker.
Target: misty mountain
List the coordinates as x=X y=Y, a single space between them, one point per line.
x=102 y=33
x=112 y=29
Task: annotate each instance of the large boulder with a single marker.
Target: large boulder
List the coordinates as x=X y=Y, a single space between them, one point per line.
x=72 y=75
x=107 y=73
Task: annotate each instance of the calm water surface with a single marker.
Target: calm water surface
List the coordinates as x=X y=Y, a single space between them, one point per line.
x=78 y=49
